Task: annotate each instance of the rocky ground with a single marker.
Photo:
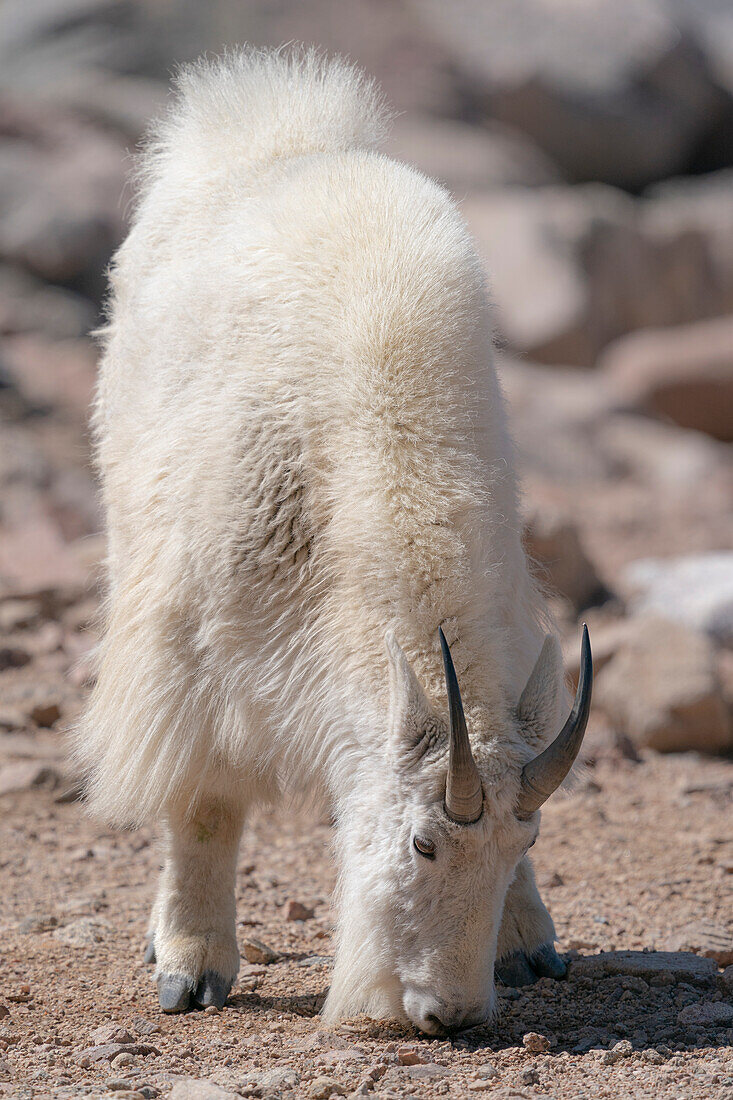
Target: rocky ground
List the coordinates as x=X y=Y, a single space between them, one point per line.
x=591 y=149
x=635 y=866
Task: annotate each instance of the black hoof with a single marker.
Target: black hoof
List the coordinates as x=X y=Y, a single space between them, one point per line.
x=174 y=992
x=149 y=956
x=522 y=969
x=514 y=969
x=547 y=963
x=212 y=990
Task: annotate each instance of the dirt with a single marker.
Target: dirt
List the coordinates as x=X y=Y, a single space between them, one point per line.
x=638 y=860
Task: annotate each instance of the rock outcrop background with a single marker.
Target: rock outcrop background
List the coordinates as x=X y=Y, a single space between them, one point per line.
x=590 y=146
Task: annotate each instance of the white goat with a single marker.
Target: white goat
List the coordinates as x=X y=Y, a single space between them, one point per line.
x=306 y=472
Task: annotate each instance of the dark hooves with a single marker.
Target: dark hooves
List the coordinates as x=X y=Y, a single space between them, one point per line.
x=522 y=969
x=212 y=990
x=149 y=956
x=174 y=992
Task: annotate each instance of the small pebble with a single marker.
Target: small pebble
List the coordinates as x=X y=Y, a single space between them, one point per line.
x=324 y=1087
x=536 y=1043
x=123 y=1059
x=295 y=910
x=257 y=952
x=488 y=1071
x=621 y=1050
x=408 y=1056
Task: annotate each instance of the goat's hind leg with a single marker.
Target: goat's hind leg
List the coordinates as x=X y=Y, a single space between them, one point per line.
x=192 y=937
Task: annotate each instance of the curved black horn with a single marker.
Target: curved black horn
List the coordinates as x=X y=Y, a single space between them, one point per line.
x=544 y=774
x=464 y=798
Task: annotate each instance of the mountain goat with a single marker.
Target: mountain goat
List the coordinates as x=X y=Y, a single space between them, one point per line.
x=310 y=494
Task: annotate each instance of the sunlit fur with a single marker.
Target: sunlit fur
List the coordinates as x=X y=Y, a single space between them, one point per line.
x=303 y=447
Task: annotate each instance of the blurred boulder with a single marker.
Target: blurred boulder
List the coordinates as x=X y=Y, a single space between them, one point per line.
x=530 y=241
x=573 y=268
x=682 y=374
x=555 y=416
x=412 y=65
x=45 y=43
x=662 y=690
x=621 y=93
x=661 y=455
x=689 y=220
x=48 y=374
x=126 y=105
x=553 y=543
x=696 y=590
x=28 y=305
x=61 y=196
x=469 y=158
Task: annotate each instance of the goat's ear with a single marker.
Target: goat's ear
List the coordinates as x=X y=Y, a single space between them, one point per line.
x=409 y=706
x=537 y=706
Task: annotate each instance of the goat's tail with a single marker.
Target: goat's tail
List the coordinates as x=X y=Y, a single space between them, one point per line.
x=250 y=107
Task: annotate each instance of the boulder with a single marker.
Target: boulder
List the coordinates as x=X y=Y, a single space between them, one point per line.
x=466 y=158
x=573 y=268
x=706 y=1015
x=25 y=775
x=659 y=455
x=622 y=94
x=529 y=241
x=555 y=417
x=28 y=305
x=662 y=690
x=682 y=374
x=672 y=965
x=696 y=590
x=61 y=195
x=690 y=220
x=553 y=543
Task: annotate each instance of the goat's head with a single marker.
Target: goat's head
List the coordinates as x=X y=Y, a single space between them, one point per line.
x=431 y=842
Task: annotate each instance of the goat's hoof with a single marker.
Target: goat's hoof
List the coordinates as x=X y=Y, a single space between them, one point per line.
x=520 y=968
x=174 y=992
x=212 y=990
x=514 y=969
x=149 y=956
x=547 y=963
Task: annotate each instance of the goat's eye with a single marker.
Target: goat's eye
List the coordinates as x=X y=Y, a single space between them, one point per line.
x=426 y=848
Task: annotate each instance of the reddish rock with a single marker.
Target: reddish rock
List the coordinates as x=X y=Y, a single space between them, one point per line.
x=683 y=374
x=662 y=690
x=295 y=910
x=408 y=1056
x=45 y=714
x=12 y=657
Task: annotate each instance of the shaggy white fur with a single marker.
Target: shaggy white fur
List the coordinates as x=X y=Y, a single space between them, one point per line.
x=302 y=446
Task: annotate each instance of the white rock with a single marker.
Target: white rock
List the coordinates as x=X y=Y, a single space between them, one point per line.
x=696 y=590
x=662 y=690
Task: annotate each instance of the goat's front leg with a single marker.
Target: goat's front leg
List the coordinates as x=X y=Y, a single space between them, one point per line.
x=193 y=927
x=525 y=950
